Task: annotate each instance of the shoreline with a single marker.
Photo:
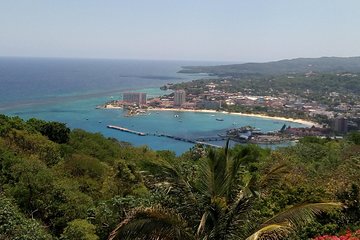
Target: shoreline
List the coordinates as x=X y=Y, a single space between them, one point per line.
x=301 y=121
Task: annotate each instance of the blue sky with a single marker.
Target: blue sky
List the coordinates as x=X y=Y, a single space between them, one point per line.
x=214 y=30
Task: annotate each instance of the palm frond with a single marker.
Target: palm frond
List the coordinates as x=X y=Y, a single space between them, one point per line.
x=213 y=180
x=274 y=174
x=302 y=214
x=226 y=149
x=237 y=166
x=169 y=169
x=238 y=213
x=172 y=171
x=233 y=169
x=151 y=223
x=202 y=223
x=271 y=232
x=288 y=220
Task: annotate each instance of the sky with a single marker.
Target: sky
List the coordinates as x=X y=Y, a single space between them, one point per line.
x=211 y=30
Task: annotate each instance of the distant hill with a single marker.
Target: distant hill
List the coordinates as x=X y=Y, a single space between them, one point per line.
x=288 y=66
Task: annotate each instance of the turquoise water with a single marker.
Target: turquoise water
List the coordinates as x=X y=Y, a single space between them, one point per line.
x=82 y=114
x=68 y=104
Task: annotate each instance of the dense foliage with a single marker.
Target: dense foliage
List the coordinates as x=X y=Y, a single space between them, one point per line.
x=315 y=87
x=298 y=65
x=62 y=184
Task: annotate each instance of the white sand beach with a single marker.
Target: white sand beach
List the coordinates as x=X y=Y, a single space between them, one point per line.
x=302 y=121
x=109 y=106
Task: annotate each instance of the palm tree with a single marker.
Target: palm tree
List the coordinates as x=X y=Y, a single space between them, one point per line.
x=224 y=193
x=152 y=223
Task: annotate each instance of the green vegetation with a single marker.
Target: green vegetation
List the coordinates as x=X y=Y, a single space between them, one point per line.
x=223 y=194
x=316 y=96
x=62 y=184
x=298 y=65
x=317 y=87
x=14 y=225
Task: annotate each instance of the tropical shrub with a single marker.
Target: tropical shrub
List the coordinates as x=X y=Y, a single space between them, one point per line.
x=348 y=236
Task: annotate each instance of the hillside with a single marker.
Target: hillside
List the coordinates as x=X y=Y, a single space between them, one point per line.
x=288 y=66
x=57 y=183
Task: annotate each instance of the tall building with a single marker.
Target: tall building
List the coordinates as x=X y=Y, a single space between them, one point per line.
x=179 y=97
x=341 y=125
x=134 y=97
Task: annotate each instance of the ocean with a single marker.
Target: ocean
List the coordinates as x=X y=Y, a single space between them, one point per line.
x=68 y=90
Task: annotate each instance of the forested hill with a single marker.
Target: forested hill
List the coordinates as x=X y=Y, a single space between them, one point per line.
x=288 y=66
x=57 y=183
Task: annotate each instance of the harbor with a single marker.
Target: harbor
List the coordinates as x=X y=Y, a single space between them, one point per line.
x=245 y=134
x=188 y=128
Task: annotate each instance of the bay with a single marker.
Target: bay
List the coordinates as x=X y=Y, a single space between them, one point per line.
x=68 y=90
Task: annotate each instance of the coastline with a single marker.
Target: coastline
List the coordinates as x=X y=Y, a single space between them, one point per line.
x=301 y=121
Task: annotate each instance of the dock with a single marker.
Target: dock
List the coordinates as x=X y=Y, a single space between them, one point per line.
x=127 y=130
x=201 y=142
x=210 y=139
x=208 y=144
x=256 y=138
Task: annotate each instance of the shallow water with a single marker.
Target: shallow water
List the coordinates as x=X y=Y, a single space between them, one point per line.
x=69 y=91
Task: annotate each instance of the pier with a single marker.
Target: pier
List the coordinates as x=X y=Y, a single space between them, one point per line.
x=208 y=144
x=197 y=141
x=258 y=138
x=127 y=130
x=210 y=139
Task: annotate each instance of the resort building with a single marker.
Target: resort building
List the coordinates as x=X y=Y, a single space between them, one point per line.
x=179 y=97
x=134 y=98
x=341 y=124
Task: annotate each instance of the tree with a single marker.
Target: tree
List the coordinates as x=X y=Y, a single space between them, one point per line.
x=57 y=132
x=79 y=229
x=14 y=225
x=29 y=183
x=354 y=137
x=224 y=192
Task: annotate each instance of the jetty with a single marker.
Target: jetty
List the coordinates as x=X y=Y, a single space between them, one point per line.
x=127 y=130
x=208 y=144
x=211 y=139
x=163 y=135
x=241 y=135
